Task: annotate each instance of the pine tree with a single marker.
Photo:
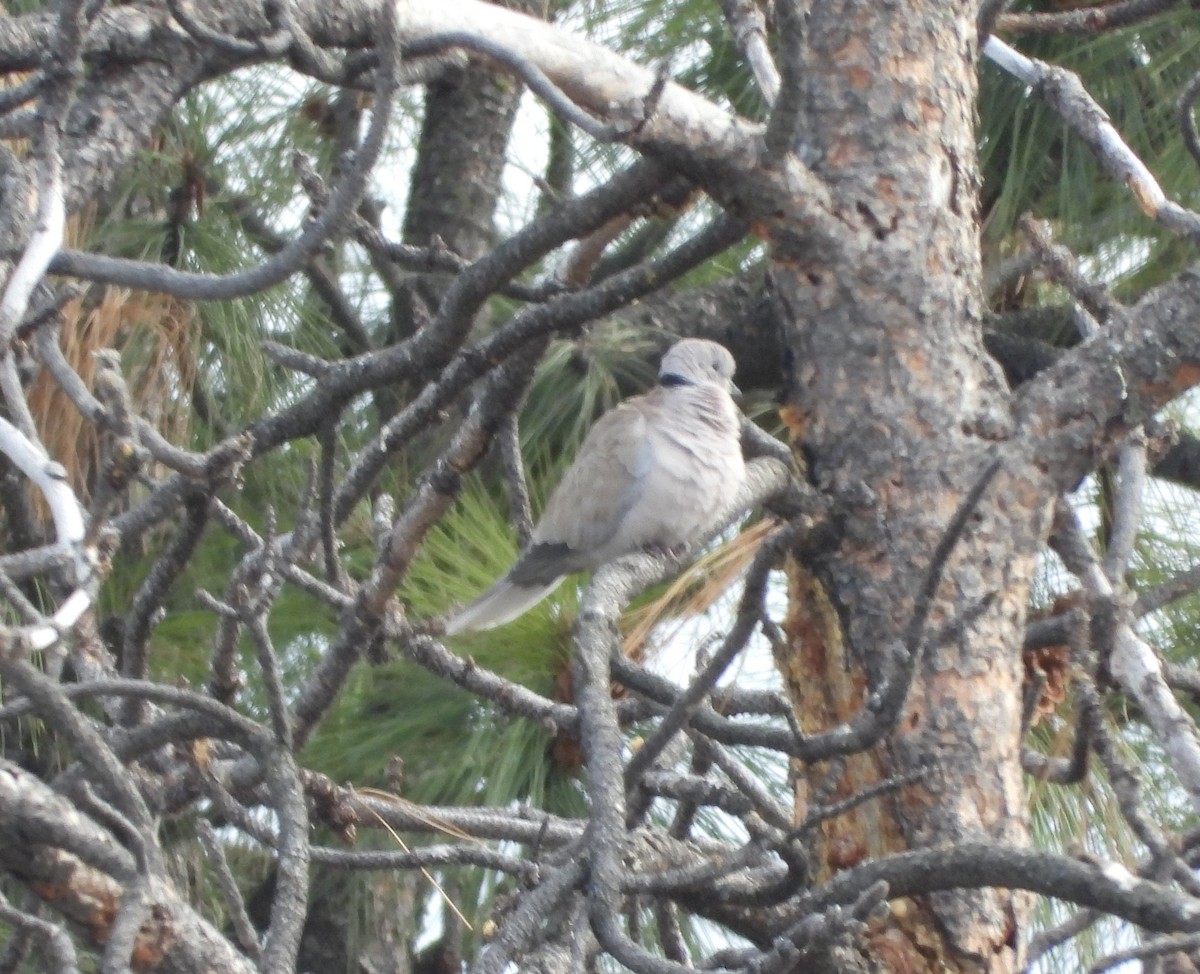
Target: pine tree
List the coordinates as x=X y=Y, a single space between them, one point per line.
x=309 y=305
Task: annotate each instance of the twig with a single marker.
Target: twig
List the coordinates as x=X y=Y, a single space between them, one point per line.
x=1086 y=20
x=53 y=705
x=819 y=932
x=522 y=925
x=151 y=595
x=322 y=280
x=268 y=662
x=51 y=479
x=1073 y=769
x=1060 y=265
x=235 y=726
x=388 y=255
x=193 y=465
x=325 y=480
x=750 y=611
x=528 y=72
x=56 y=946
x=823 y=813
x=783 y=126
x=510 y=697
x=1044 y=942
x=1125 y=781
x=306 y=55
x=1156 y=947
x=1173 y=589
x=22 y=92
x=1186 y=107
x=234 y=903
x=749 y=29
x=19 y=601
x=514 y=473
x=694 y=791
x=1133 y=663
x=272 y=45
x=685 y=811
x=133 y=911
x=1108 y=887
x=670 y=933
x=294 y=359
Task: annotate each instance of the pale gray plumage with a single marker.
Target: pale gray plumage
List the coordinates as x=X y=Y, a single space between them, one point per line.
x=656 y=472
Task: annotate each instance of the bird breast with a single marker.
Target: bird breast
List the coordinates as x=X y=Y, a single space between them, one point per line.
x=692 y=470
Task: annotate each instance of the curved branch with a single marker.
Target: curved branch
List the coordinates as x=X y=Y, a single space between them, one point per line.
x=975 y=865
x=333 y=219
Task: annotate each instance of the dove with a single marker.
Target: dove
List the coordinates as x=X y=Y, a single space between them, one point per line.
x=655 y=473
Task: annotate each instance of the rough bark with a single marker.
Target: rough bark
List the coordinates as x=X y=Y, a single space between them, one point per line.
x=90 y=880
x=456 y=180
x=896 y=408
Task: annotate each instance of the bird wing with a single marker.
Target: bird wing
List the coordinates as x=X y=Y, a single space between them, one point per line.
x=605 y=481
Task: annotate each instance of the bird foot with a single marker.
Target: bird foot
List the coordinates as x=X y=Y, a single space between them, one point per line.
x=675 y=553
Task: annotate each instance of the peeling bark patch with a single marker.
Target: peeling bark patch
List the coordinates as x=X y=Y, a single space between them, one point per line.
x=885 y=186
x=916 y=360
x=154 y=941
x=895 y=951
x=845 y=852
x=1187 y=374
x=931 y=113
x=855 y=52
x=89 y=898
x=859 y=77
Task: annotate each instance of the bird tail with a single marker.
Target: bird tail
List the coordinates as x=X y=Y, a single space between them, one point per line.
x=501 y=603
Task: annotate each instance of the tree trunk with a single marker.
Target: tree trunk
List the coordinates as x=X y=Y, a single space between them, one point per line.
x=458 y=176
x=896 y=410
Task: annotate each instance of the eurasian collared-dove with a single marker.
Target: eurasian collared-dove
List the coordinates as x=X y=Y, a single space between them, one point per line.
x=656 y=472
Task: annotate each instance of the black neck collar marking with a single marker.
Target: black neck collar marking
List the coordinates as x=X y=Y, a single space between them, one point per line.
x=672 y=379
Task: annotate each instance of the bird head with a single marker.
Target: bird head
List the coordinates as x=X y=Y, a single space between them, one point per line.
x=697 y=361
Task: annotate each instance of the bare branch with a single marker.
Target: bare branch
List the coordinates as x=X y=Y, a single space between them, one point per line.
x=57 y=93
x=1064 y=93
x=1108 y=887
x=56 y=946
x=234 y=903
x=1134 y=663
x=749 y=29
x=1187 y=116
x=328 y=223
x=1088 y=20
x=514 y=472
